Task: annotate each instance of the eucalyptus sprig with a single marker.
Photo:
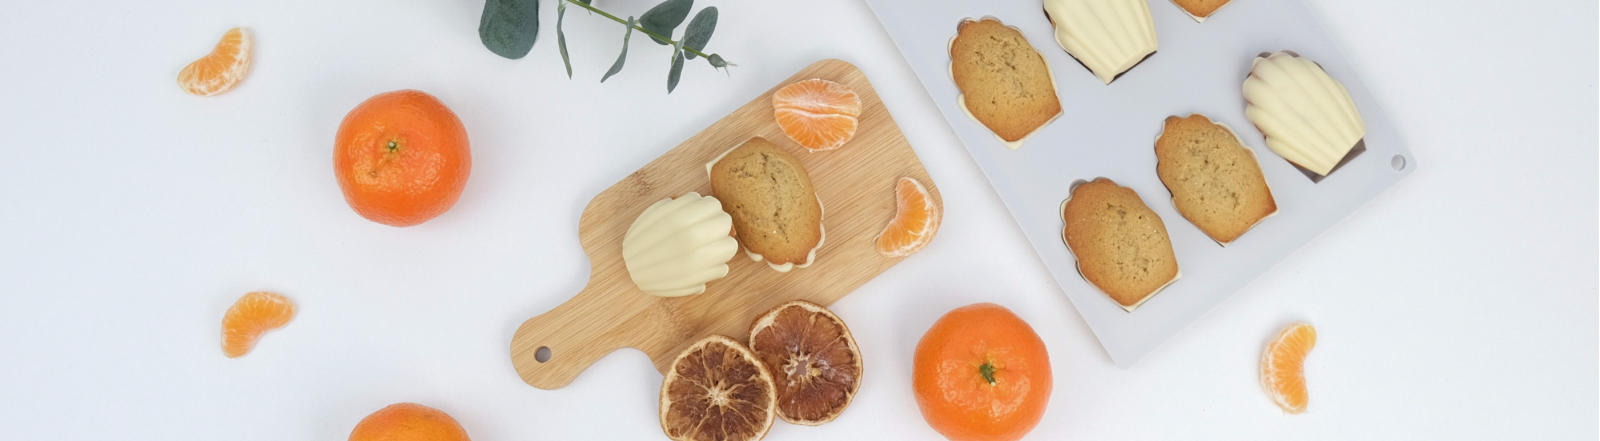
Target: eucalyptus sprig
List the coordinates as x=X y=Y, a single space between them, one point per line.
x=509 y=27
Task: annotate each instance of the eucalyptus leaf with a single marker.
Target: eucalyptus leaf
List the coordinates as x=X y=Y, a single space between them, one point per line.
x=665 y=17
x=716 y=61
x=561 y=37
x=617 y=66
x=699 y=31
x=677 y=69
x=509 y=27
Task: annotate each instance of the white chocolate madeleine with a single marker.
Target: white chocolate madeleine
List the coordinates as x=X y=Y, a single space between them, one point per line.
x=1306 y=116
x=677 y=245
x=1107 y=36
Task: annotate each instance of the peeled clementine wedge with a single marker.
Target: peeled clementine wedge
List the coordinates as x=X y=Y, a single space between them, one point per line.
x=818 y=114
x=253 y=315
x=1283 y=367
x=916 y=220
x=220 y=70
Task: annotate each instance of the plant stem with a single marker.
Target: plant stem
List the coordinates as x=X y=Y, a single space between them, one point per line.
x=637 y=27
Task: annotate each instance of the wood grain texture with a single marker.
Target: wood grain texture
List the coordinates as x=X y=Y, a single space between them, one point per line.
x=856 y=185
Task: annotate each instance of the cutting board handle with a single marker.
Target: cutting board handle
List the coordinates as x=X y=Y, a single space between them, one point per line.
x=550 y=350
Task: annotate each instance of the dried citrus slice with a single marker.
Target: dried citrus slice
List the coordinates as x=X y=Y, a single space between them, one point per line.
x=253 y=315
x=717 y=391
x=916 y=220
x=1283 y=367
x=813 y=359
x=818 y=114
x=220 y=70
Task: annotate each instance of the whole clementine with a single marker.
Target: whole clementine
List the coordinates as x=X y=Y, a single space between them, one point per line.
x=981 y=374
x=408 y=422
x=401 y=158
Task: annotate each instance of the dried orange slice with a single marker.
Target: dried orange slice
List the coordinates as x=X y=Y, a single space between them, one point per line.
x=717 y=391
x=818 y=114
x=916 y=220
x=253 y=315
x=813 y=359
x=220 y=70
x=1283 y=367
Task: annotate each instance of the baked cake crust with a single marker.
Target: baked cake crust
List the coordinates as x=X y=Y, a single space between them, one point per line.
x=1121 y=245
x=1215 y=181
x=1005 y=84
x=1200 y=9
x=769 y=195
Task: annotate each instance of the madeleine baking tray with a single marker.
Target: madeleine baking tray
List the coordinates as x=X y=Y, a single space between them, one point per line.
x=1110 y=130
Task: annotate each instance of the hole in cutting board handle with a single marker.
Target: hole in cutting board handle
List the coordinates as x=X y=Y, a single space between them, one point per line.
x=1398 y=162
x=542 y=354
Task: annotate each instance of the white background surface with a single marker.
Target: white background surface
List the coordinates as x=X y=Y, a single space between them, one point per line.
x=1460 y=304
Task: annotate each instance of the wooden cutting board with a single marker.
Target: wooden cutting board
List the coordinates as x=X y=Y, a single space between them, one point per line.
x=856 y=185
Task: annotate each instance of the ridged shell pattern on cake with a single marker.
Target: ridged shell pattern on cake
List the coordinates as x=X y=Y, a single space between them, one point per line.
x=1306 y=116
x=677 y=245
x=1107 y=36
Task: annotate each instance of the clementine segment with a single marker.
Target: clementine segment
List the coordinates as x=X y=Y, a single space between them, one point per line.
x=401 y=158
x=818 y=114
x=220 y=70
x=408 y=422
x=915 y=222
x=249 y=317
x=1283 y=367
x=981 y=374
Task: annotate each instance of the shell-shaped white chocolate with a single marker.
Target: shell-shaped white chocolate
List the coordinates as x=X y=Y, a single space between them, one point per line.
x=1306 y=116
x=677 y=245
x=1107 y=36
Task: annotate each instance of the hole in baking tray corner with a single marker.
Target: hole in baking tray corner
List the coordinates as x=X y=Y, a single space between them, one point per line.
x=1398 y=162
x=542 y=355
